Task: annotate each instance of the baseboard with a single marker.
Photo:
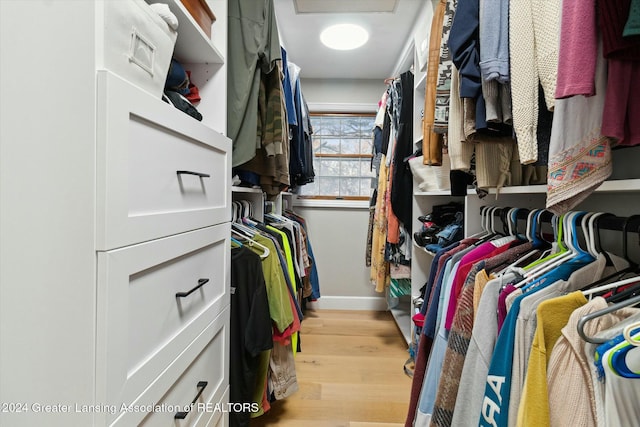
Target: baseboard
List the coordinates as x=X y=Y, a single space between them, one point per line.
x=349 y=303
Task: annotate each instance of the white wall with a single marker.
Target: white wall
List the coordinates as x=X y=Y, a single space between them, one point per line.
x=343 y=92
x=338 y=237
x=339 y=233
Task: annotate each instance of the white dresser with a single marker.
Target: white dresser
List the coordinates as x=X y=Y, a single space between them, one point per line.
x=114 y=223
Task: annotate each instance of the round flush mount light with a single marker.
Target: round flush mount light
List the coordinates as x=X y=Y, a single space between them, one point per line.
x=344 y=36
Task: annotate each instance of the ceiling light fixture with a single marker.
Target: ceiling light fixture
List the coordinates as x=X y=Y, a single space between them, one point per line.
x=344 y=36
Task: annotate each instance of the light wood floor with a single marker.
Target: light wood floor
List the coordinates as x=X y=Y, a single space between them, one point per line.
x=350 y=373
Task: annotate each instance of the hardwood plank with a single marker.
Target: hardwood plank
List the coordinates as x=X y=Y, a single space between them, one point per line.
x=350 y=374
x=340 y=345
x=371 y=393
x=351 y=369
x=349 y=314
x=368 y=424
x=365 y=327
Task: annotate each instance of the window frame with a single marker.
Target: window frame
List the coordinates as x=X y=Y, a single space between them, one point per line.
x=338 y=156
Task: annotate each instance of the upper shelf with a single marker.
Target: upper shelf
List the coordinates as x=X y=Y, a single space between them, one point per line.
x=616 y=186
x=420 y=83
x=238 y=189
x=193 y=45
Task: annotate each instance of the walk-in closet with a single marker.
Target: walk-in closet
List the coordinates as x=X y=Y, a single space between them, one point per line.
x=319 y=213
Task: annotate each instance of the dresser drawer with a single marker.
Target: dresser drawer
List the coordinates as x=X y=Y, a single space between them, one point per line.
x=199 y=375
x=217 y=419
x=155 y=299
x=160 y=172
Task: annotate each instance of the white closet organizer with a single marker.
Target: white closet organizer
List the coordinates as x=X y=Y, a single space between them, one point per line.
x=254 y=196
x=618 y=197
x=115 y=257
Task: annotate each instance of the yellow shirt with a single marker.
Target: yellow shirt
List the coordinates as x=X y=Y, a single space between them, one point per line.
x=552 y=315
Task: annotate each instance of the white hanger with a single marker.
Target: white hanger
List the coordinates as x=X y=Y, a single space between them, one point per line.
x=548 y=266
x=250 y=242
x=626 y=333
x=484 y=230
x=612 y=285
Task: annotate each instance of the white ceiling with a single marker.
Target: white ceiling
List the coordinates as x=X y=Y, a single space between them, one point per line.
x=300 y=23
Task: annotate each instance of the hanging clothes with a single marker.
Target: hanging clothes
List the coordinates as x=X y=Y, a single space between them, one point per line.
x=401 y=191
x=579 y=156
x=254 y=47
x=568 y=375
x=431 y=141
x=250 y=328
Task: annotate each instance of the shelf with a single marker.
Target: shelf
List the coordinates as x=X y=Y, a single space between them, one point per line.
x=193 y=45
x=440 y=193
x=335 y=204
x=421 y=249
x=236 y=189
x=616 y=186
x=420 y=84
x=402 y=315
x=619 y=186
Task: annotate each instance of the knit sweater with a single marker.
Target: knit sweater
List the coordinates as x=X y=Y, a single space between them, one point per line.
x=571 y=391
x=534 y=27
x=578 y=49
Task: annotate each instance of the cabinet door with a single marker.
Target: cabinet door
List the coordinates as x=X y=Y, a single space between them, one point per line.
x=160 y=171
x=154 y=300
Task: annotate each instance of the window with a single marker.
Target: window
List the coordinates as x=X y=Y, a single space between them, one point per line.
x=342 y=149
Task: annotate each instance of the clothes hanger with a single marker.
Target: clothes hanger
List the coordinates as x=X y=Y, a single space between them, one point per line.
x=610 y=309
x=626 y=333
x=633 y=266
x=596 y=238
x=250 y=242
x=504 y=218
x=612 y=285
x=532 y=236
x=491 y=232
x=484 y=229
x=624 y=357
x=512 y=214
x=242 y=229
x=570 y=228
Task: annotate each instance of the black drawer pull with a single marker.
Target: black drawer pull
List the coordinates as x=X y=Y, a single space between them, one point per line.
x=201 y=282
x=201 y=175
x=182 y=415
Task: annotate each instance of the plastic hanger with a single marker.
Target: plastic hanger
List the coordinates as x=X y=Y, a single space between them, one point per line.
x=610 y=309
x=250 y=242
x=612 y=285
x=633 y=266
x=242 y=229
x=624 y=357
x=563 y=252
x=626 y=333
x=484 y=229
x=570 y=228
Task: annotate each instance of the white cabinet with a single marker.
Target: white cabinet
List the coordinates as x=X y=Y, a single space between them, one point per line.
x=114 y=222
x=159 y=173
